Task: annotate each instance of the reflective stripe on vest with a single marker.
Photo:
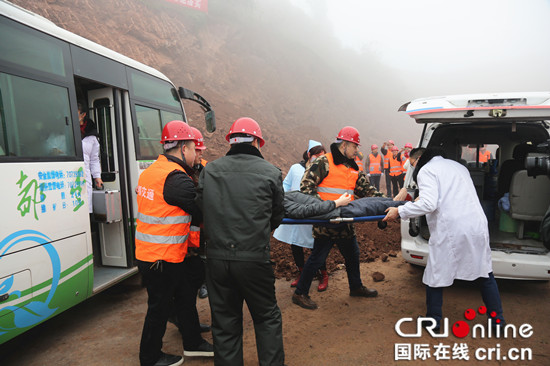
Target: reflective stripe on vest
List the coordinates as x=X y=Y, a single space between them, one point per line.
x=387 y=159
x=340 y=180
x=395 y=167
x=162 y=230
x=375 y=164
x=169 y=220
x=160 y=239
x=194 y=237
x=359 y=163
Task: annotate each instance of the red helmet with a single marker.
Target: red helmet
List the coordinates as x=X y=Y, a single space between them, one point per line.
x=248 y=126
x=374 y=147
x=391 y=142
x=176 y=131
x=394 y=148
x=350 y=134
x=409 y=145
x=199 y=140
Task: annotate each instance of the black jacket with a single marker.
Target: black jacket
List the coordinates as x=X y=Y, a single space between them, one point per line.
x=241 y=196
x=179 y=190
x=299 y=205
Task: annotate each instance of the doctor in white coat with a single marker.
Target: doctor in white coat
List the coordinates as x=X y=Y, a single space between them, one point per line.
x=459 y=235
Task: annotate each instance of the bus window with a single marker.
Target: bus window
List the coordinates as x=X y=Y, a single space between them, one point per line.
x=25 y=48
x=37 y=118
x=147 y=88
x=169 y=116
x=150 y=126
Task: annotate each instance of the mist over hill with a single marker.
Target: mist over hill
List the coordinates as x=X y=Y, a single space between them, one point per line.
x=264 y=59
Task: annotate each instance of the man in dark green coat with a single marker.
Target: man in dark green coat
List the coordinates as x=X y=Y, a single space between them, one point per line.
x=241 y=196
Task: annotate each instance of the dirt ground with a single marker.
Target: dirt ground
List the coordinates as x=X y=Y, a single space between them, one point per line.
x=105 y=330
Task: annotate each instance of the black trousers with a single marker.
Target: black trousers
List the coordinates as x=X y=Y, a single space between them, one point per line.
x=298 y=254
x=229 y=284
x=164 y=283
x=189 y=326
x=388 y=183
x=397 y=183
x=375 y=181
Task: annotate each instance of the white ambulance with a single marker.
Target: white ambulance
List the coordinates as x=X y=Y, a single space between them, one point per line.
x=492 y=135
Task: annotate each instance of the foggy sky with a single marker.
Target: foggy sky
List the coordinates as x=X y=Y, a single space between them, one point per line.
x=434 y=47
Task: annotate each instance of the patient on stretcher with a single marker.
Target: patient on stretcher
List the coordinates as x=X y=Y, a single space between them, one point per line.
x=299 y=205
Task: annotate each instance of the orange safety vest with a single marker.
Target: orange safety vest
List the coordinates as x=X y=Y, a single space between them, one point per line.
x=195 y=231
x=359 y=163
x=395 y=167
x=484 y=157
x=387 y=160
x=340 y=180
x=162 y=229
x=375 y=164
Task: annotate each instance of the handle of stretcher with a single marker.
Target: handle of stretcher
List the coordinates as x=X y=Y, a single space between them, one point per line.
x=339 y=220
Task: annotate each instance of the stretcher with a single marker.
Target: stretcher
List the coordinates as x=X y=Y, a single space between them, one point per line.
x=336 y=221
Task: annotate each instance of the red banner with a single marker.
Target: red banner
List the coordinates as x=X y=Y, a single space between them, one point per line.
x=201 y=5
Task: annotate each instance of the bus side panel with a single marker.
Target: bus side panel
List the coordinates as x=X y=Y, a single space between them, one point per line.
x=44 y=281
x=46 y=262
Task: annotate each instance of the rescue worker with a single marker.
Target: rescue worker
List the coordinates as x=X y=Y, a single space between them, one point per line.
x=193 y=277
x=484 y=154
x=459 y=236
x=359 y=161
x=404 y=156
x=386 y=153
x=375 y=164
x=328 y=178
x=396 y=171
x=166 y=204
x=241 y=196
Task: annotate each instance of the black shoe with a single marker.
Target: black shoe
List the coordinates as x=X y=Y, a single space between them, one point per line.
x=205 y=328
x=169 y=360
x=304 y=301
x=205 y=349
x=363 y=292
x=203 y=292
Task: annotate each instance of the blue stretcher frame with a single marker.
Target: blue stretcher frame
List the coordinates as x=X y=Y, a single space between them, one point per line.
x=330 y=222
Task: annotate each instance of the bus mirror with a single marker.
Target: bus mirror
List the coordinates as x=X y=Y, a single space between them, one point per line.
x=186 y=93
x=108 y=176
x=210 y=119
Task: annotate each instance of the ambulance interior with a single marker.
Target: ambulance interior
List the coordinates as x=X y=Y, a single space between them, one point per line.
x=514 y=226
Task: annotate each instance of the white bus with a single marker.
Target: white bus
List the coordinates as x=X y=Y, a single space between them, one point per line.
x=52 y=256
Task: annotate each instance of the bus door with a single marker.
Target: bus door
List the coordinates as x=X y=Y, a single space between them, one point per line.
x=108 y=203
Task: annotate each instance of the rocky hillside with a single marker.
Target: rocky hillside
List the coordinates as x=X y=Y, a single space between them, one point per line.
x=244 y=58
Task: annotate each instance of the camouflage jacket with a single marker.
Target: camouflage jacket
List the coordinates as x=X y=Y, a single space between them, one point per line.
x=315 y=174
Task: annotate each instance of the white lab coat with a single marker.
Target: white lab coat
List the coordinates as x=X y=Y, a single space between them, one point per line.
x=459 y=236
x=92 y=164
x=300 y=235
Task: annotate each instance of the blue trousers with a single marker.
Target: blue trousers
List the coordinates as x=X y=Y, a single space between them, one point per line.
x=489 y=294
x=318 y=256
